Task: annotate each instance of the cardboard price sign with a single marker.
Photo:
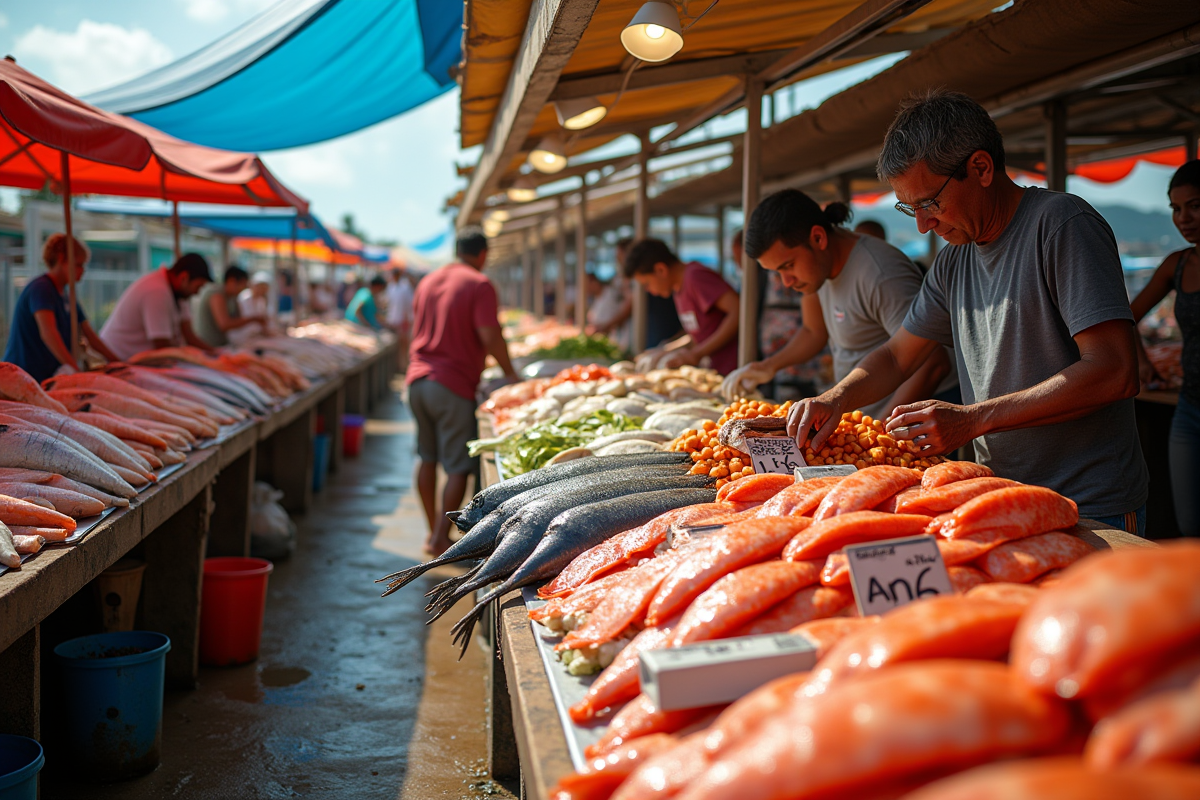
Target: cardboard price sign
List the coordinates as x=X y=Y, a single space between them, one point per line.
x=895 y=572
x=778 y=454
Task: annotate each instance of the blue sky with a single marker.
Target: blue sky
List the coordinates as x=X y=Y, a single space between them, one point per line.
x=393 y=176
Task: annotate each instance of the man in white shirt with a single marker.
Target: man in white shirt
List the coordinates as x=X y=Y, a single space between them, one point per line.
x=399 y=297
x=153 y=312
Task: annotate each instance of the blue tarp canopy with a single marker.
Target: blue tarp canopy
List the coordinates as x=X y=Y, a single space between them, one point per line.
x=282 y=224
x=303 y=71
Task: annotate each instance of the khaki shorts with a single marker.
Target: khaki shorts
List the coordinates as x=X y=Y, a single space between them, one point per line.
x=445 y=423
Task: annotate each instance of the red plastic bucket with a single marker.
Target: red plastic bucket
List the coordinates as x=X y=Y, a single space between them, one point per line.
x=352 y=433
x=232 y=602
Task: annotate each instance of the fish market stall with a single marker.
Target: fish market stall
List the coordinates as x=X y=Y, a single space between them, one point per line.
x=567 y=716
x=191 y=509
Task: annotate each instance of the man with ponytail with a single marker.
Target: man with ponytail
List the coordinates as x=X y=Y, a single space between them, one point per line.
x=1031 y=296
x=856 y=292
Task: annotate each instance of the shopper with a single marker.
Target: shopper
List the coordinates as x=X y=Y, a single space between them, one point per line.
x=455 y=329
x=707 y=305
x=364 y=306
x=870 y=227
x=217 y=312
x=40 y=335
x=399 y=296
x=1180 y=273
x=856 y=292
x=153 y=312
x=1030 y=294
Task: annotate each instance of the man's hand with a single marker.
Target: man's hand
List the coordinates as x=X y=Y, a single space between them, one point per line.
x=814 y=413
x=744 y=380
x=648 y=359
x=678 y=358
x=1147 y=374
x=934 y=426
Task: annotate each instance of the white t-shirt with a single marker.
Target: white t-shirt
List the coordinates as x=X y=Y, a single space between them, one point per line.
x=399 y=297
x=146 y=311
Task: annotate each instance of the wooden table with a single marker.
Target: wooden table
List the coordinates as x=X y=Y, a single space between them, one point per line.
x=201 y=509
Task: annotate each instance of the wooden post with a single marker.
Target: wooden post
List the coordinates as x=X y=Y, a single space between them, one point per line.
x=170 y=601
x=560 y=256
x=675 y=235
x=1190 y=141
x=721 y=240
x=285 y=459
x=175 y=228
x=641 y=225
x=1055 y=112
x=581 y=304
x=539 y=275
x=72 y=295
x=229 y=526
x=751 y=183
x=526 y=273
x=845 y=194
x=21 y=700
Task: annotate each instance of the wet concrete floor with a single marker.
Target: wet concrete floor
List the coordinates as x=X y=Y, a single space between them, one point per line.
x=352 y=695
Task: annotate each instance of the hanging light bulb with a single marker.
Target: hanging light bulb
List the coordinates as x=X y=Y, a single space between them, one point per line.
x=654 y=33
x=580 y=113
x=492 y=227
x=523 y=190
x=548 y=156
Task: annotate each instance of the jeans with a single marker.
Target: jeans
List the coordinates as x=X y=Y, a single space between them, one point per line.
x=1183 y=451
x=1133 y=522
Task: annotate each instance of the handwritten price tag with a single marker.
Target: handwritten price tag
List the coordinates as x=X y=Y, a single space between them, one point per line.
x=778 y=454
x=895 y=572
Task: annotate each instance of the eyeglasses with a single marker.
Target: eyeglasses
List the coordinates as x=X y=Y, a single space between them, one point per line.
x=932 y=203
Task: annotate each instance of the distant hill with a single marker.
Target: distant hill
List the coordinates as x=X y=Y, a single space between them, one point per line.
x=1143 y=227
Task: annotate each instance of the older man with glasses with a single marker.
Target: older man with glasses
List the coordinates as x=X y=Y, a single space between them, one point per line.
x=1031 y=296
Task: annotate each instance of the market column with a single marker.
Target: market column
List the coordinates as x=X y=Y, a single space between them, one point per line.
x=751 y=183
x=581 y=260
x=526 y=273
x=560 y=256
x=641 y=226
x=539 y=275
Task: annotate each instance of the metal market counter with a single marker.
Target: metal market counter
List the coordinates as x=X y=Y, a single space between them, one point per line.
x=526 y=741
x=199 y=510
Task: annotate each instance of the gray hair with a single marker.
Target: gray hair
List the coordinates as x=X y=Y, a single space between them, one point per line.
x=940 y=128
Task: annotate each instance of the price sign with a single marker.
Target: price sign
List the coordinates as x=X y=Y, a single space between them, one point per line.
x=825 y=471
x=895 y=572
x=778 y=454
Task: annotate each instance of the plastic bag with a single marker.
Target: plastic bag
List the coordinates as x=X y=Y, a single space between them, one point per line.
x=272 y=532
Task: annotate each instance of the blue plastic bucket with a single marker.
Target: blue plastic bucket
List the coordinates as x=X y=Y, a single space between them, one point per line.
x=320 y=460
x=21 y=760
x=113 y=697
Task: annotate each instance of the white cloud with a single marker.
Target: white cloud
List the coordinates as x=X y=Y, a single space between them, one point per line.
x=3 y=20
x=96 y=55
x=320 y=166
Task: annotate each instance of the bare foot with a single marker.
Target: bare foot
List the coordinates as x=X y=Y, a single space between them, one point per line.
x=435 y=547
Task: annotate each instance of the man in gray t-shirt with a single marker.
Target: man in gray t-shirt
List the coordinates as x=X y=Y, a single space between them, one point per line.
x=1030 y=294
x=856 y=291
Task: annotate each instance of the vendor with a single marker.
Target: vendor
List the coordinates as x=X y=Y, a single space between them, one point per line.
x=153 y=312
x=1030 y=294
x=1180 y=273
x=707 y=305
x=364 y=306
x=254 y=301
x=217 y=311
x=40 y=335
x=856 y=292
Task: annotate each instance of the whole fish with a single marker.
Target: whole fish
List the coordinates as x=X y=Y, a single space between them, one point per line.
x=176 y=389
x=578 y=528
x=66 y=442
x=481 y=539
x=120 y=427
x=17 y=384
x=520 y=534
x=218 y=383
x=131 y=407
x=29 y=449
x=106 y=383
x=101 y=443
x=73 y=504
x=490 y=498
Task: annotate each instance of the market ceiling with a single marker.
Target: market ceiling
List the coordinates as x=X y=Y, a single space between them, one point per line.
x=301 y=72
x=734 y=37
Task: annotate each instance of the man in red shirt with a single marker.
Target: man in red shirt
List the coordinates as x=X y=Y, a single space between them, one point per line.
x=707 y=305
x=455 y=329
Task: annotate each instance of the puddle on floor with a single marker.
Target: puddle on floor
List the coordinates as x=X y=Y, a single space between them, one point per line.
x=251 y=691
x=277 y=677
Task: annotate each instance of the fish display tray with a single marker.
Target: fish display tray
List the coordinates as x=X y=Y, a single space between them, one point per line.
x=83 y=527
x=165 y=472
x=566 y=688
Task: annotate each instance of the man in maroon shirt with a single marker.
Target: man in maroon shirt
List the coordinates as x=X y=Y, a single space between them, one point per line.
x=707 y=305
x=455 y=329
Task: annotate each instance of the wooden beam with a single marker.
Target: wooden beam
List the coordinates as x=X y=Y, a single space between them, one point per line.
x=649 y=77
x=886 y=43
x=551 y=35
x=751 y=184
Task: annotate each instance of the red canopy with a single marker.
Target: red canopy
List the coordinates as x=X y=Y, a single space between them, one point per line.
x=115 y=155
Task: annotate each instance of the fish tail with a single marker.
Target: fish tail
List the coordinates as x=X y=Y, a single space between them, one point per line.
x=463 y=629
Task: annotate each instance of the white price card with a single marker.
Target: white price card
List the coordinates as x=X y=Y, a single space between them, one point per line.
x=825 y=471
x=895 y=572
x=778 y=454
